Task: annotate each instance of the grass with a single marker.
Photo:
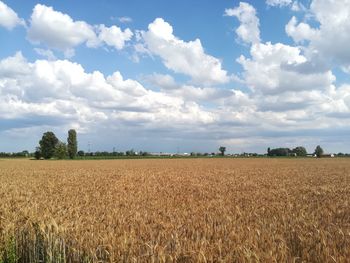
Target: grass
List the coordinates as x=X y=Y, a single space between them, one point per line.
x=9 y=255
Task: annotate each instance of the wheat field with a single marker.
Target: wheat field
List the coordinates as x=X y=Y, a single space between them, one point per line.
x=181 y=210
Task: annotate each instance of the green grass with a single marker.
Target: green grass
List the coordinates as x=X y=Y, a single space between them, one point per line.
x=10 y=253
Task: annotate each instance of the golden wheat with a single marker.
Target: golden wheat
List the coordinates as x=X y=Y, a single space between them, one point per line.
x=186 y=210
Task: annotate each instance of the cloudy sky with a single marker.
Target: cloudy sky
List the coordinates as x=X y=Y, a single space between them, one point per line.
x=163 y=75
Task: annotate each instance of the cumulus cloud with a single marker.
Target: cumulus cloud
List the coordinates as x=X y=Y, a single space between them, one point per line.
x=282 y=78
x=288 y=90
x=163 y=81
x=60 y=93
x=248 y=31
x=290 y=87
x=273 y=68
x=9 y=18
x=59 y=31
x=114 y=36
x=329 y=39
x=211 y=95
x=300 y=32
x=201 y=95
x=182 y=57
x=13 y=66
x=63 y=88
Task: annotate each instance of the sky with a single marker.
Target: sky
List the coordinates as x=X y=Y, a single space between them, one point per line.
x=176 y=76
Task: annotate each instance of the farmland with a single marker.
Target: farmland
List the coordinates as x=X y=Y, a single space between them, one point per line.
x=181 y=210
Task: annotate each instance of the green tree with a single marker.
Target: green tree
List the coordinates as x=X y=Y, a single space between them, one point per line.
x=222 y=150
x=300 y=151
x=72 y=143
x=47 y=144
x=318 y=151
x=280 y=152
x=61 y=150
x=37 y=153
x=130 y=152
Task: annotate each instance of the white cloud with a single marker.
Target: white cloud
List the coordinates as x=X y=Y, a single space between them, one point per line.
x=14 y=66
x=210 y=95
x=277 y=68
x=9 y=18
x=47 y=53
x=62 y=88
x=61 y=93
x=300 y=32
x=291 y=88
x=295 y=5
x=291 y=96
x=182 y=57
x=114 y=36
x=248 y=31
x=278 y=2
x=162 y=81
x=57 y=30
x=125 y=19
x=198 y=94
x=333 y=38
x=330 y=39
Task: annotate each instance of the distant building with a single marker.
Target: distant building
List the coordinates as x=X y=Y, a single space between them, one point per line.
x=161 y=154
x=311 y=155
x=327 y=156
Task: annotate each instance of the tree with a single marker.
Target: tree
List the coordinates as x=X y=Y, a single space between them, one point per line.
x=61 y=150
x=268 y=151
x=300 y=151
x=72 y=143
x=318 y=151
x=37 y=153
x=47 y=144
x=81 y=153
x=130 y=152
x=280 y=152
x=144 y=153
x=222 y=150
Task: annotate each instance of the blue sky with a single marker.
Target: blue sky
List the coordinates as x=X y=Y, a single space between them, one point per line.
x=176 y=75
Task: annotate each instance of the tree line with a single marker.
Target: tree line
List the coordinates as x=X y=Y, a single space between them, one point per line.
x=21 y=154
x=50 y=146
x=297 y=151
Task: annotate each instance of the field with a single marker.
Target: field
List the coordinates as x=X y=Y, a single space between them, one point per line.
x=182 y=210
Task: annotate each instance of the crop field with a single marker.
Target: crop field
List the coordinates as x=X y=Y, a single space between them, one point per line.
x=182 y=210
